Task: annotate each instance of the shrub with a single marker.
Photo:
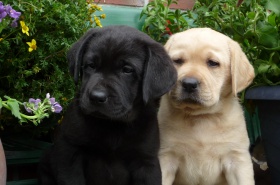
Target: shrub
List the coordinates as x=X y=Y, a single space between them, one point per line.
x=254 y=24
x=33 y=54
x=161 y=21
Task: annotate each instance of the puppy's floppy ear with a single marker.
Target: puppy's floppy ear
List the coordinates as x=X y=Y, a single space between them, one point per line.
x=159 y=75
x=75 y=54
x=242 y=72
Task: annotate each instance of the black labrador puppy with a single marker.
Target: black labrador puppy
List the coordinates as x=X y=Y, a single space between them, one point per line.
x=109 y=135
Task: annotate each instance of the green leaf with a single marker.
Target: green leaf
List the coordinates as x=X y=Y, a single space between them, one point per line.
x=1 y=103
x=267 y=35
x=263 y=68
x=251 y=15
x=274 y=70
x=271 y=19
x=14 y=106
x=274 y=5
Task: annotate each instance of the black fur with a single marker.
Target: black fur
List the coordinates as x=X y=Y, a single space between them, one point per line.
x=109 y=135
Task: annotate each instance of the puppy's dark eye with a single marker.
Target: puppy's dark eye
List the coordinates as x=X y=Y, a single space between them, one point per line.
x=178 y=61
x=127 y=69
x=92 y=65
x=212 y=63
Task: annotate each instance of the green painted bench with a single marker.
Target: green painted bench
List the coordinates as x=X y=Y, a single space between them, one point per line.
x=122 y=15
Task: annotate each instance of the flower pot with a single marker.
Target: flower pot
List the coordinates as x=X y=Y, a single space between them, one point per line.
x=267 y=99
x=3 y=167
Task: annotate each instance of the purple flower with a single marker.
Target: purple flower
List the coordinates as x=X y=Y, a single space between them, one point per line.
x=56 y=108
x=14 y=23
x=3 y=12
x=35 y=102
x=8 y=8
x=14 y=14
x=27 y=108
x=52 y=101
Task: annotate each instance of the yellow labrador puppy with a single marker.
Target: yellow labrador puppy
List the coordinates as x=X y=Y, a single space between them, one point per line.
x=202 y=128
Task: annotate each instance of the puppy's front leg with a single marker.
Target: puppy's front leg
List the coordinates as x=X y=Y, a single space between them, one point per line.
x=169 y=166
x=147 y=173
x=239 y=171
x=64 y=166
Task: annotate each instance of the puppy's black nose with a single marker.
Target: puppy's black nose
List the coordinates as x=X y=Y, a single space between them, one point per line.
x=98 y=96
x=190 y=84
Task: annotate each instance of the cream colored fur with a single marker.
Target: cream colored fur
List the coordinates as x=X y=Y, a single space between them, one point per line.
x=206 y=142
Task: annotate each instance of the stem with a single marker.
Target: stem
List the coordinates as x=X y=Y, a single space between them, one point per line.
x=21 y=114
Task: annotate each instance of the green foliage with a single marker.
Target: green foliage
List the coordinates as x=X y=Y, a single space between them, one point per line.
x=161 y=21
x=255 y=25
x=54 y=25
x=252 y=25
x=13 y=105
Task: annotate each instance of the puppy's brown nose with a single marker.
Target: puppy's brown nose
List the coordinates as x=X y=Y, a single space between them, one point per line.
x=98 y=96
x=190 y=84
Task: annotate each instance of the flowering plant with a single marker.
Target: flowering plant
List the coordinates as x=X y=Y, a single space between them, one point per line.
x=34 y=38
x=161 y=21
x=36 y=107
x=93 y=8
x=8 y=11
x=254 y=24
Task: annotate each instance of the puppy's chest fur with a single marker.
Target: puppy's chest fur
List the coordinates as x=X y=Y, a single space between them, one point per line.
x=202 y=144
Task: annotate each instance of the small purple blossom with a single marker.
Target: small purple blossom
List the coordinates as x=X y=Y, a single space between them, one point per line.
x=56 y=108
x=14 y=14
x=3 y=12
x=27 y=108
x=8 y=10
x=52 y=101
x=34 y=102
x=14 y=23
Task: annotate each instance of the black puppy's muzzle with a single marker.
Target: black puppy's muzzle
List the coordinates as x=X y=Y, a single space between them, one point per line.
x=190 y=84
x=98 y=96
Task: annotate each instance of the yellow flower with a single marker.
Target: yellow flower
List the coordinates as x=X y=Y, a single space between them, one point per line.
x=103 y=16
x=99 y=24
x=32 y=45
x=24 y=28
x=99 y=8
x=1 y=39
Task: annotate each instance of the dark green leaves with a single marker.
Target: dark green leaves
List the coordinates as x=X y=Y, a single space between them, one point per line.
x=274 y=5
x=161 y=21
x=255 y=25
x=12 y=105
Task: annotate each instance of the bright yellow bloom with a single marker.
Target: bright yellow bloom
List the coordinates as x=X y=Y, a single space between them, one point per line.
x=97 y=21
x=93 y=6
x=99 y=24
x=32 y=45
x=103 y=16
x=24 y=28
x=99 y=8
x=1 y=39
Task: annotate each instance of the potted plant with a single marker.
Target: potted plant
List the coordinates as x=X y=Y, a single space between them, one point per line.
x=255 y=25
